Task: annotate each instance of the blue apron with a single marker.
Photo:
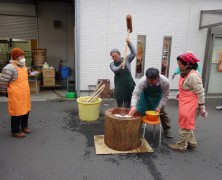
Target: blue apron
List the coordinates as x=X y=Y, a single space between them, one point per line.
x=149 y=99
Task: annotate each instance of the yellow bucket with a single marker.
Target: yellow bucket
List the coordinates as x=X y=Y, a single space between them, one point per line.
x=88 y=111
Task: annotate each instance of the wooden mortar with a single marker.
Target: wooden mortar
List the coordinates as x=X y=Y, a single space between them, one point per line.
x=122 y=133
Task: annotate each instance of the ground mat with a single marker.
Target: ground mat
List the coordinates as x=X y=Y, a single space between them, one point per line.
x=101 y=148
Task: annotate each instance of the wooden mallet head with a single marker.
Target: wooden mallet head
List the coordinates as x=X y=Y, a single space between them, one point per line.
x=129 y=23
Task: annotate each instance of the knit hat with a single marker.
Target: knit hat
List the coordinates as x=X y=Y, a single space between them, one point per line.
x=188 y=58
x=114 y=50
x=16 y=52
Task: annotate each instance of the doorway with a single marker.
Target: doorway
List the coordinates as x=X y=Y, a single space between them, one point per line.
x=215 y=76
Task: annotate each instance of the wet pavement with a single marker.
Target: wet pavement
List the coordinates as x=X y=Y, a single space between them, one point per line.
x=61 y=146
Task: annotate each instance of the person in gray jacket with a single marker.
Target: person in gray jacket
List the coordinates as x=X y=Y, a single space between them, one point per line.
x=14 y=84
x=124 y=83
x=151 y=93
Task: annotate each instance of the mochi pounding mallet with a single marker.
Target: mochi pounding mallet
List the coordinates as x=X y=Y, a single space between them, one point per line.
x=129 y=30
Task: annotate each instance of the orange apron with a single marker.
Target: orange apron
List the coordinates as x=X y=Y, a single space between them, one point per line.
x=187 y=106
x=19 y=94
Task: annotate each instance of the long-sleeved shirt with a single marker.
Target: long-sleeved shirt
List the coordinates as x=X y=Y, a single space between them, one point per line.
x=129 y=59
x=143 y=83
x=194 y=84
x=9 y=74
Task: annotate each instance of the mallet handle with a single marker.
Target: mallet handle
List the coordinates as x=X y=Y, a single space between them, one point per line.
x=126 y=46
x=96 y=88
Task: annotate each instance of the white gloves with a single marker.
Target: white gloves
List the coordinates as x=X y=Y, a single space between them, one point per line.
x=203 y=112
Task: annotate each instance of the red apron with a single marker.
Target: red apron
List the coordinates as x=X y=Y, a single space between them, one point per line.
x=187 y=106
x=19 y=94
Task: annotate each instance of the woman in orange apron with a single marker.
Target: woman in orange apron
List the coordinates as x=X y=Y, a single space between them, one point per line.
x=191 y=97
x=19 y=103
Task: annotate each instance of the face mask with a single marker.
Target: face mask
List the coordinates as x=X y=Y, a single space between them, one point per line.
x=22 y=60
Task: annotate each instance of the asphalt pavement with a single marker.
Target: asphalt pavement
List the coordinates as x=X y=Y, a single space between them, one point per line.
x=61 y=146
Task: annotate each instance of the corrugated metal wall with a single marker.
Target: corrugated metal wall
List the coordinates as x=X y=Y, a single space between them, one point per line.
x=18 y=21
x=103 y=27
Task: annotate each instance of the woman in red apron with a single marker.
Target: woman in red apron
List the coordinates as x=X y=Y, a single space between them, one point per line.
x=18 y=91
x=191 y=101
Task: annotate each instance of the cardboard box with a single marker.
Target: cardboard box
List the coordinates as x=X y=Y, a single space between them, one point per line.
x=32 y=86
x=48 y=72
x=37 y=69
x=48 y=81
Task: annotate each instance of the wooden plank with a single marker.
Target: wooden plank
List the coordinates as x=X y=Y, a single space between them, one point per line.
x=101 y=147
x=106 y=92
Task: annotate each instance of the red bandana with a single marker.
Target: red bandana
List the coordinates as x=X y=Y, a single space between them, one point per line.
x=189 y=58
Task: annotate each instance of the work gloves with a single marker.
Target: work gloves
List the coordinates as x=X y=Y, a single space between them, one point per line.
x=203 y=112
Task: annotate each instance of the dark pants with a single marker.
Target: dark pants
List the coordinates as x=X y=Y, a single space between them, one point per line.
x=165 y=120
x=124 y=103
x=19 y=122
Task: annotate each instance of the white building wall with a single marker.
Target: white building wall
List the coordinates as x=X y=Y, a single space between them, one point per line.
x=93 y=42
x=103 y=27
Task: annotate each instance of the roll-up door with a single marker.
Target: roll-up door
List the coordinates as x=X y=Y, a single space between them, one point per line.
x=18 y=21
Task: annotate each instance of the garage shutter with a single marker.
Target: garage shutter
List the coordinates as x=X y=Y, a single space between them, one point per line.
x=18 y=21
x=18 y=27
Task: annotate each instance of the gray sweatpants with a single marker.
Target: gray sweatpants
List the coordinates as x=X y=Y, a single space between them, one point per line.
x=165 y=120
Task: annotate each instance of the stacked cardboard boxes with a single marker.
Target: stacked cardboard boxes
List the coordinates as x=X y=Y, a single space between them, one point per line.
x=48 y=76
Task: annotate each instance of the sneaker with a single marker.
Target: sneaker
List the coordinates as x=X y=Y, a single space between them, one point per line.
x=26 y=130
x=219 y=107
x=192 y=146
x=176 y=147
x=18 y=135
